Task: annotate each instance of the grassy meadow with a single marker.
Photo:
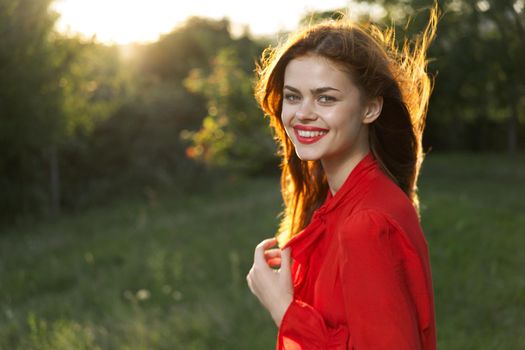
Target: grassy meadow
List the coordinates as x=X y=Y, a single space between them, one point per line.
x=168 y=272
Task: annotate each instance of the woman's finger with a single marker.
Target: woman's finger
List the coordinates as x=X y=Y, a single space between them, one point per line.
x=261 y=248
x=249 y=281
x=272 y=253
x=274 y=262
x=273 y=257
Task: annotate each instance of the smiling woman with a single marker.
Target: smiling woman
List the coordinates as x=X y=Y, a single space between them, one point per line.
x=322 y=113
x=352 y=268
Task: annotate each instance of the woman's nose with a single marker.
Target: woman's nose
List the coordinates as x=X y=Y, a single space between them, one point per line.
x=305 y=111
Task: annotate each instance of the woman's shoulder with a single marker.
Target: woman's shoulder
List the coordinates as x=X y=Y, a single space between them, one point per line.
x=375 y=230
x=384 y=213
x=386 y=202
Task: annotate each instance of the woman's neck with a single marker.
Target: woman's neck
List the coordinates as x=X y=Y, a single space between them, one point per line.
x=338 y=169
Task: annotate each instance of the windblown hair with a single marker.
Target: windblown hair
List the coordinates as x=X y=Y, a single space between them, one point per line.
x=379 y=67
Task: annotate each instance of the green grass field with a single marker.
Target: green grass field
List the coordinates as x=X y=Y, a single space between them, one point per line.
x=168 y=272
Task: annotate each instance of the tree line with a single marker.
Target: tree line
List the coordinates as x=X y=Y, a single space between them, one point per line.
x=82 y=122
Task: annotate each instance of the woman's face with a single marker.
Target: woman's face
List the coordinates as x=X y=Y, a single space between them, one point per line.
x=322 y=111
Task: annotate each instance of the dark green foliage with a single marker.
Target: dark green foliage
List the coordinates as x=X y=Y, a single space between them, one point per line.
x=52 y=89
x=30 y=116
x=477 y=58
x=234 y=134
x=137 y=148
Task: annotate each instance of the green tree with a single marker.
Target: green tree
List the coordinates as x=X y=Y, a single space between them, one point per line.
x=53 y=89
x=94 y=85
x=477 y=58
x=234 y=134
x=30 y=102
x=502 y=26
x=192 y=45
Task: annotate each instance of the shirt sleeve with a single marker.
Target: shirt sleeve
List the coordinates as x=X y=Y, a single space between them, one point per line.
x=380 y=312
x=303 y=328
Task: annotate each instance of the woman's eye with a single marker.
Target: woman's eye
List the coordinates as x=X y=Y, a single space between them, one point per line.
x=291 y=97
x=326 y=99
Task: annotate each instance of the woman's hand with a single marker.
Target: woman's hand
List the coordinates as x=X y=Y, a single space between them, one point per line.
x=272 y=287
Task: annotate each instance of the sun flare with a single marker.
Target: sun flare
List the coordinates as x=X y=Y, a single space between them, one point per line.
x=119 y=21
x=129 y=21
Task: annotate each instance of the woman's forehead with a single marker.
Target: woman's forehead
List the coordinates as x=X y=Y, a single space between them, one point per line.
x=313 y=71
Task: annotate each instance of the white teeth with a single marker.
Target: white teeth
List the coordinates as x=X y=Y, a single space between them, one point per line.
x=306 y=133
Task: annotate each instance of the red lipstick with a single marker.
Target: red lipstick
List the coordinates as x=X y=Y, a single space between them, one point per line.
x=309 y=134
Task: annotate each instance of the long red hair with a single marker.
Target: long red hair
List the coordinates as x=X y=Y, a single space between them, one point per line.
x=378 y=67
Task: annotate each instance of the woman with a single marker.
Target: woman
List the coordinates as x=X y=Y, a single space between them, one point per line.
x=348 y=109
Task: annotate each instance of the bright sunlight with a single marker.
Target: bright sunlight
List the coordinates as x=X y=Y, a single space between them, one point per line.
x=127 y=21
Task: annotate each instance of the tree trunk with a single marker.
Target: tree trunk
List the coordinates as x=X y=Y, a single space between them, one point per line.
x=54 y=175
x=512 y=129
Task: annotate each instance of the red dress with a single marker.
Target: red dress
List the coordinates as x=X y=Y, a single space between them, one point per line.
x=361 y=272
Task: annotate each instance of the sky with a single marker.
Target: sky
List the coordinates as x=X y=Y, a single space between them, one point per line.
x=126 y=21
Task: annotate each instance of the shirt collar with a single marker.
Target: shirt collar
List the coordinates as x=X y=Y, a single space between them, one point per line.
x=352 y=187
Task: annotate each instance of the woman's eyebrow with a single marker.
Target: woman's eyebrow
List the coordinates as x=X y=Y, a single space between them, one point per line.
x=314 y=91
x=291 y=88
x=324 y=89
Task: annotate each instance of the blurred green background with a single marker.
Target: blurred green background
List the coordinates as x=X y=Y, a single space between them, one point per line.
x=136 y=180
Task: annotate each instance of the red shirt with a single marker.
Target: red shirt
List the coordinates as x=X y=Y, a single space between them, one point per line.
x=361 y=272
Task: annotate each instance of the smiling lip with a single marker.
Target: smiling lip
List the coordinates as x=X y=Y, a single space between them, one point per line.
x=309 y=134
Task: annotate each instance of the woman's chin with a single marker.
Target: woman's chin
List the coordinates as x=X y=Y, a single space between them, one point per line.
x=307 y=156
